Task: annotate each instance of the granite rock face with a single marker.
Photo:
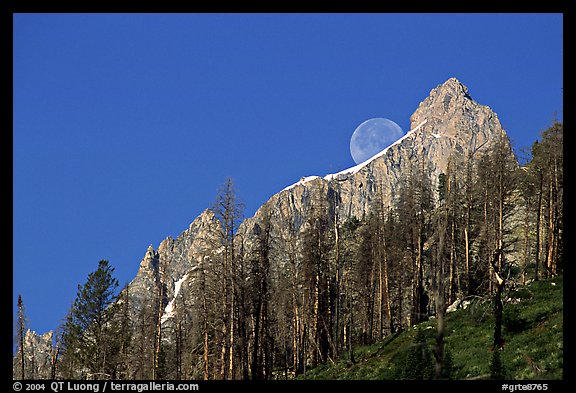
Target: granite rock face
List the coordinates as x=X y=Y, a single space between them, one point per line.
x=446 y=125
x=38 y=355
x=172 y=262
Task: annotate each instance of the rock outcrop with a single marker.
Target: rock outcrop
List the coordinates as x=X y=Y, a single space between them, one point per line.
x=170 y=265
x=38 y=356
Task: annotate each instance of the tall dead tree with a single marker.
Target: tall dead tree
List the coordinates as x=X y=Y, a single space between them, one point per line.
x=547 y=163
x=20 y=335
x=228 y=211
x=160 y=285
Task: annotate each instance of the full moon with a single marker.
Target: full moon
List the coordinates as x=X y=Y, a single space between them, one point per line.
x=373 y=136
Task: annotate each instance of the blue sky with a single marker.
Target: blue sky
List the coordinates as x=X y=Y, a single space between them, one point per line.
x=125 y=125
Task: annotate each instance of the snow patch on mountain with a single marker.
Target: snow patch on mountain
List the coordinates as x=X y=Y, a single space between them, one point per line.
x=356 y=168
x=169 y=310
x=303 y=180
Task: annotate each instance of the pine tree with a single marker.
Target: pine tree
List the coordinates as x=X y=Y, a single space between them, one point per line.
x=21 y=322
x=90 y=339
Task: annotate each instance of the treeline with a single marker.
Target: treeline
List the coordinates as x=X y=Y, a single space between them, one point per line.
x=273 y=303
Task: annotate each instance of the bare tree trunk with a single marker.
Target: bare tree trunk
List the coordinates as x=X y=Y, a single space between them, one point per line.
x=538 y=221
x=21 y=337
x=316 y=319
x=469 y=202
x=158 y=336
x=54 y=360
x=380 y=299
x=557 y=204
x=467 y=255
x=439 y=287
x=296 y=334
x=498 y=343
x=337 y=284
x=206 y=358
x=256 y=345
x=485 y=226
x=350 y=327
x=551 y=229
x=526 y=248
x=387 y=290
x=451 y=265
x=232 y=333
x=223 y=356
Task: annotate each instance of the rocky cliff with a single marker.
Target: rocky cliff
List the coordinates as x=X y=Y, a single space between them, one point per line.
x=167 y=269
x=447 y=123
x=38 y=356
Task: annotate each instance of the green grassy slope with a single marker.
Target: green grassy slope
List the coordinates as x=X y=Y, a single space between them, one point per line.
x=533 y=330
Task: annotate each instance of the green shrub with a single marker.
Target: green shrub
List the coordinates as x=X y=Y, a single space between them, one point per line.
x=497 y=368
x=416 y=362
x=512 y=320
x=480 y=310
x=522 y=294
x=448 y=369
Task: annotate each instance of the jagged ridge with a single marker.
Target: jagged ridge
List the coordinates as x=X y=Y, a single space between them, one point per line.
x=447 y=122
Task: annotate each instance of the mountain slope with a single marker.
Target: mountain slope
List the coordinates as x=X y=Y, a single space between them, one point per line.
x=533 y=329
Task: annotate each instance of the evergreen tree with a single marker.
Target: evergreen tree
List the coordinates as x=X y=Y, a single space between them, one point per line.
x=90 y=337
x=21 y=323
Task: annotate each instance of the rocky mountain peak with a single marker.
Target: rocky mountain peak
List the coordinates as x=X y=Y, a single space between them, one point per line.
x=446 y=124
x=149 y=260
x=452 y=85
x=444 y=102
x=174 y=259
x=454 y=121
